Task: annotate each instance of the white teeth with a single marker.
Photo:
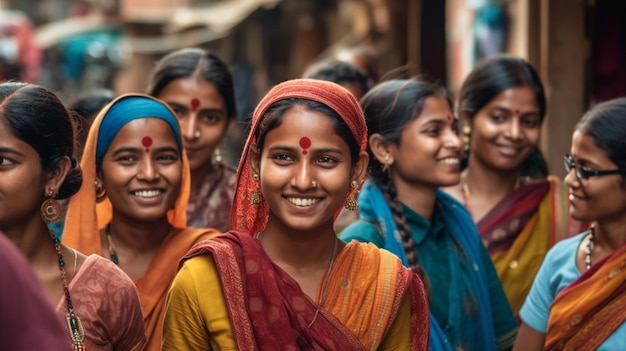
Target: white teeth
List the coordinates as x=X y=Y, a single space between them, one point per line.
x=147 y=193
x=298 y=201
x=450 y=161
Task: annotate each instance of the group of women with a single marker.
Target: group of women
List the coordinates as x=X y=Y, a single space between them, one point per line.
x=478 y=237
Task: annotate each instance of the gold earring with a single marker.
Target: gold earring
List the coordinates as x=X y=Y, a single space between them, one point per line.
x=386 y=163
x=50 y=209
x=351 y=203
x=466 y=131
x=255 y=197
x=101 y=194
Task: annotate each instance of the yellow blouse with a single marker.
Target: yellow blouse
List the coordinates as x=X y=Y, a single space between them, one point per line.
x=197 y=315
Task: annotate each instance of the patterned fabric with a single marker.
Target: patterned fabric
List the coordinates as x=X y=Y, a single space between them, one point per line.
x=590 y=309
x=253 y=219
x=519 y=231
x=262 y=299
x=210 y=206
x=106 y=302
x=471 y=286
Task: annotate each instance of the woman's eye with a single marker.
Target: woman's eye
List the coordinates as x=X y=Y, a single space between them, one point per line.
x=6 y=161
x=127 y=158
x=211 y=118
x=326 y=160
x=530 y=122
x=282 y=157
x=497 y=118
x=171 y=158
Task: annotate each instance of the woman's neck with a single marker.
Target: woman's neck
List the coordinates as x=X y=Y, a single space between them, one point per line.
x=33 y=240
x=303 y=249
x=489 y=183
x=418 y=197
x=199 y=175
x=139 y=237
x=610 y=234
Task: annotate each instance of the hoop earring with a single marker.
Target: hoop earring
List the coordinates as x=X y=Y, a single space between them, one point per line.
x=50 y=209
x=101 y=194
x=351 y=203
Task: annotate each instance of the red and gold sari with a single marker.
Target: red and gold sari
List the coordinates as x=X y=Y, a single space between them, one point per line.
x=267 y=307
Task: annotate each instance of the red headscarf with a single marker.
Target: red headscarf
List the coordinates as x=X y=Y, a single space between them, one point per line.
x=253 y=218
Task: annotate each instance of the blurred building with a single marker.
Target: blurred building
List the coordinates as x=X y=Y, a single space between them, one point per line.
x=577 y=46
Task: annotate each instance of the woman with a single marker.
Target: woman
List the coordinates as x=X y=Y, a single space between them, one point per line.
x=578 y=299
x=199 y=88
x=283 y=278
x=520 y=212
x=95 y=300
x=134 y=213
x=414 y=150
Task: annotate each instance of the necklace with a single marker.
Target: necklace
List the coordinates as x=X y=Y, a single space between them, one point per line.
x=74 y=325
x=112 y=251
x=592 y=235
x=322 y=297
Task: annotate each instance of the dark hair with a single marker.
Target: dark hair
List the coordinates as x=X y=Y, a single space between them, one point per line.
x=273 y=117
x=38 y=117
x=606 y=124
x=195 y=62
x=84 y=109
x=339 y=72
x=490 y=77
x=389 y=107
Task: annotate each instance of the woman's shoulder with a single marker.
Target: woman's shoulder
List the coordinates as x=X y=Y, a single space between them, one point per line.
x=98 y=271
x=363 y=231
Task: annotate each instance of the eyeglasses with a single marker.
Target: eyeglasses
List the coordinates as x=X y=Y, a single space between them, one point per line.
x=582 y=172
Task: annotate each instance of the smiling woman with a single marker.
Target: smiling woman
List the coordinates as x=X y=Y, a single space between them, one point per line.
x=414 y=150
x=519 y=210
x=283 y=277
x=132 y=207
x=94 y=298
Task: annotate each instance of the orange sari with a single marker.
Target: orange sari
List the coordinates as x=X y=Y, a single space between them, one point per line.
x=85 y=217
x=267 y=307
x=590 y=309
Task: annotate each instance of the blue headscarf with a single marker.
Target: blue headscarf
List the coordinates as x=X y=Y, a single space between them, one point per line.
x=129 y=109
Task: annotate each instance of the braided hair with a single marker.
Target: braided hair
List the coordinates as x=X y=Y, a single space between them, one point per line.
x=388 y=108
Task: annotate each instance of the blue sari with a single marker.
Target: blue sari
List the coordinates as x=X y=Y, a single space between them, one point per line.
x=373 y=207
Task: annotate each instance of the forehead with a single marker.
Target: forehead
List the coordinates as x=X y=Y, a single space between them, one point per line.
x=185 y=89
x=584 y=146
x=299 y=122
x=514 y=98
x=9 y=140
x=134 y=131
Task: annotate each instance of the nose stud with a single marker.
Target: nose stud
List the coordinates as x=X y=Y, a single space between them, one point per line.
x=196 y=134
x=314 y=184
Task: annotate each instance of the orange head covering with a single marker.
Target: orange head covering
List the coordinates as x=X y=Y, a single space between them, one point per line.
x=253 y=219
x=84 y=215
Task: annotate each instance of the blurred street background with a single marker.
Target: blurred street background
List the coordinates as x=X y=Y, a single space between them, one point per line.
x=71 y=46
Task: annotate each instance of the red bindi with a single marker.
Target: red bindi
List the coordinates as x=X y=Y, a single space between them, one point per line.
x=146 y=142
x=195 y=102
x=517 y=111
x=305 y=143
x=449 y=117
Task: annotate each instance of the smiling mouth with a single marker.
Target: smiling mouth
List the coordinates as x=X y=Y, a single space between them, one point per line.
x=146 y=194
x=450 y=161
x=303 y=202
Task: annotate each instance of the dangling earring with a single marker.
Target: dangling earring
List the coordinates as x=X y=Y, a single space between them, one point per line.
x=255 y=197
x=50 y=208
x=466 y=131
x=386 y=164
x=217 y=155
x=101 y=193
x=351 y=203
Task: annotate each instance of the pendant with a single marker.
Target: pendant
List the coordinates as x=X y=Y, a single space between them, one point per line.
x=77 y=333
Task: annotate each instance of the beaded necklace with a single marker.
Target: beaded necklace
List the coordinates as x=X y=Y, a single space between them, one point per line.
x=74 y=325
x=592 y=235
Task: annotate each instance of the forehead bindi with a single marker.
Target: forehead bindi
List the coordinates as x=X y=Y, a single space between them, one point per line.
x=146 y=141
x=195 y=103
x=305 y=144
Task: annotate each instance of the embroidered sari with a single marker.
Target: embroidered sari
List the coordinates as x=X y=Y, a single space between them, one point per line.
x=519 y=231
x=591 y=308
x=264 y=303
